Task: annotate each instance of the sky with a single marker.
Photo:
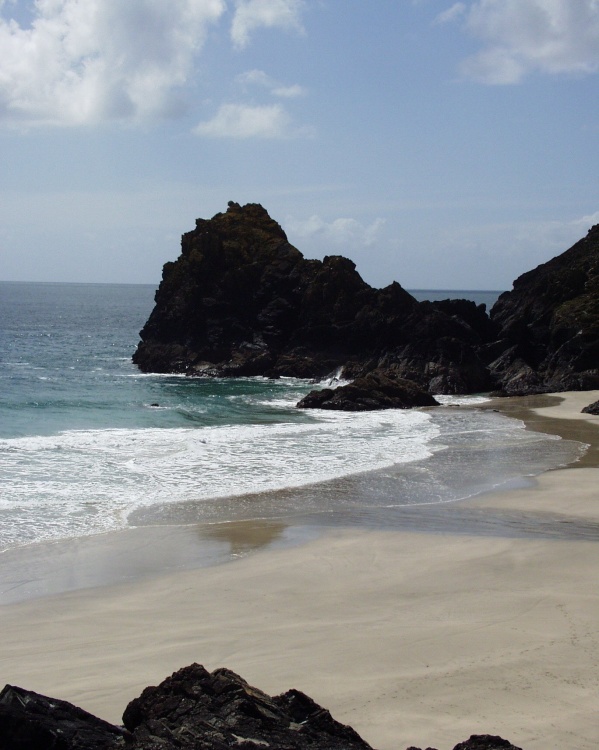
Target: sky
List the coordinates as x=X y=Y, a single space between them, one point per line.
x=444 y=145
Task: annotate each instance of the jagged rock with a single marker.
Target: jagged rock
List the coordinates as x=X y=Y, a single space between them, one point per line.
x=199 y=710
x=548 y=325
x=193 y=709
x=485 y=742
x=480 y=742
x=378 y=389
x=241 y=300
x=467 y=312
x=592 y=408
x=29 y=721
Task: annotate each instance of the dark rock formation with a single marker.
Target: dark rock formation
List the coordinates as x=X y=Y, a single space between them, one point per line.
x=29 y=721
x=548 y=326
x=198 y=710
x=481 y=742
x=378 y=389
x=192 y=710
x=485 y=742
x=241 y=300
x=592 y=408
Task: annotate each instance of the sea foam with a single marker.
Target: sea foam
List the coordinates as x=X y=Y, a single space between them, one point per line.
x=93 y=479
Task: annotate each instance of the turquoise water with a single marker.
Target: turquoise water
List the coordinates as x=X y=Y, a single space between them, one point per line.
x=89 y=444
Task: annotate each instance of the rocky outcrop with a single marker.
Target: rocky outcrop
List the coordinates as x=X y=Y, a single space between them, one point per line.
x=192 y=710
x=29 y=721
x=199 y=710
x=548 y=325
x=592 y=409
x=481 y=742
x=241 y=300
x=378 y=389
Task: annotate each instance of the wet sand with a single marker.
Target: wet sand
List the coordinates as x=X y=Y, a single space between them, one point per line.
x=412 y=637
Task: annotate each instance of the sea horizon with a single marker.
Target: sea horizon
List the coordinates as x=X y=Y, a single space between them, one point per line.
x=156 y=284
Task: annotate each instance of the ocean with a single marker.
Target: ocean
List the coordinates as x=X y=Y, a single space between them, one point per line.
x=88 y=444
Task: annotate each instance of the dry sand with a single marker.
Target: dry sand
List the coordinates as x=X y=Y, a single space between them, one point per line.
x=411 y=638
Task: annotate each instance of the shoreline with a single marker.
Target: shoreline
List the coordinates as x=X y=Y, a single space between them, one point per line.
x=411 y=637
x=127 y=555
x=557 y=414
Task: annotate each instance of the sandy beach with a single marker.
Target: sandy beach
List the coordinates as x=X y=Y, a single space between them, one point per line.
x=410 y=637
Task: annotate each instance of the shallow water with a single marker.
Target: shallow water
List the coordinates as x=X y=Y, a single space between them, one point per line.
x=84 y=448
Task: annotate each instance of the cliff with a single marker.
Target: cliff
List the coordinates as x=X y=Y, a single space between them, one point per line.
x=548 y=325
x=241 y=300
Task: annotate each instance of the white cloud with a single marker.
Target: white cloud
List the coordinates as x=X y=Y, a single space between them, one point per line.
x=504 y=251
x=341 y=231
x=456 y=11
x=244 y=121
x=255 y=78
x=526 y=36
x=289 y=92
x=85 y=61
x=262 y=79
x=254 y=14
x=586 y=222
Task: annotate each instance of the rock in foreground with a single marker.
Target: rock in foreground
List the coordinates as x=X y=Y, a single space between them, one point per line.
x=192 y=710
x=198 y=710
x=29 y=721
x=481 y=742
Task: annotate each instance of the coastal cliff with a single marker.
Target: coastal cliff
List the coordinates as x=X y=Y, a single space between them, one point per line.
x=241 y=300
x=548 y=325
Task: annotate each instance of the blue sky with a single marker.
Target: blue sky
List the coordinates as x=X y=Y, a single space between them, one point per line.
x=442 y=144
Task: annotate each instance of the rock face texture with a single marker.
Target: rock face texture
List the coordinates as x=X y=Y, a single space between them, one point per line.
x=198 y=710
x=192 y=710
x=548 y=325
x=241 y=300
x=29 y=721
